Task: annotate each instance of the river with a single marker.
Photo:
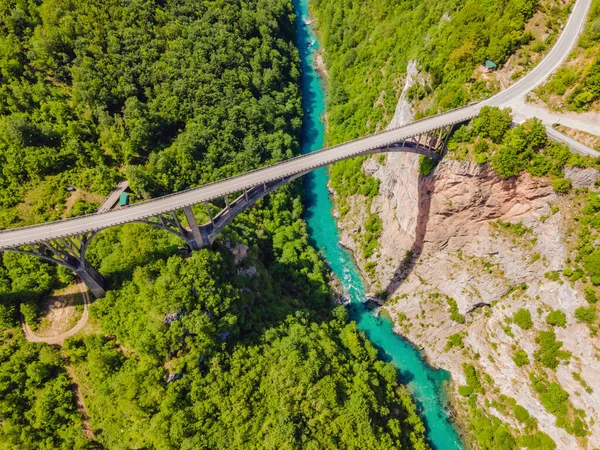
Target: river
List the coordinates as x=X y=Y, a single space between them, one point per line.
x=425 y=384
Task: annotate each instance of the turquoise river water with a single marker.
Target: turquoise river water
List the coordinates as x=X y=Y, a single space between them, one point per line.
x=425 y=384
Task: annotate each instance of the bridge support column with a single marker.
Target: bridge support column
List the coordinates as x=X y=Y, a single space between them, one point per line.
x=226 y=202
x=197 y=242
x=212 y=220
x=92 y=279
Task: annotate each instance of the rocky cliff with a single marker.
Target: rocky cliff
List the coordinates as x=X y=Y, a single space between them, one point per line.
x=460 y=252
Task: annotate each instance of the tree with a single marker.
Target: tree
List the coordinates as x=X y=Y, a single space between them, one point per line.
x=556 y=318
x=549 y=352
x=523 y=319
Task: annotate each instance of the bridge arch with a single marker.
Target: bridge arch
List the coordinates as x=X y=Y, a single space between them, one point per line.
x=69 y=248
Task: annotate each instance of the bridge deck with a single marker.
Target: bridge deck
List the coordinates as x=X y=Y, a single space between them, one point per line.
x=306 y=163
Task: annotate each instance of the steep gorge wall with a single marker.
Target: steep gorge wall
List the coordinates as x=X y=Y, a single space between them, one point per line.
x=449 y=222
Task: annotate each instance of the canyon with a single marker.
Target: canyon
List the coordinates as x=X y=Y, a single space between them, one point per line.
x=447 y=236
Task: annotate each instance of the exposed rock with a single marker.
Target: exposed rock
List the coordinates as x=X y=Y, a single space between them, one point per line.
x=247 y=272
x=319 y=64
x=170 y=318
x=449 y=221
x=240 y=253
x=174 y=376
x=441 y=240
x=582 y=178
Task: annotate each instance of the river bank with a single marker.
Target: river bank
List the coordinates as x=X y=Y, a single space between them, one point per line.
x=426 y=385
x=454 y=273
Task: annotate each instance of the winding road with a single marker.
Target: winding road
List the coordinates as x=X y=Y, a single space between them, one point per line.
x=306 y=163
x=60 y=339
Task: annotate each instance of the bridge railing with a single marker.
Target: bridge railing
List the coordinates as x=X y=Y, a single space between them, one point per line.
x=323 y=150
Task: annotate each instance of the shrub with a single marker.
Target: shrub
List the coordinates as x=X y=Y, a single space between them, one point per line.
x=592 y=263
x=538 y=441
x=520 y=358
x=556 y=319
x=523 y=319
x=507 y=162
x=590 y=293
x=481 y=146
x=454 y=314
x=552 y=275
x=465 y=391
x=549 y=352
x=493 y=123
x=456 y=340
x=521 y=414
x=587 y=315
x=562 y=185
x=29 y=311
x=426 y=165
x=473 y=383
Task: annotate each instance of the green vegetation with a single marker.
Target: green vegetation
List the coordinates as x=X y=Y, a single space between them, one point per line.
x=588 y=256
x=454 y=314
x=517 y=229
x=521 y=414
x=520 y=357
x=556 y=401
x=583 y=383
x=556 y=318
x=367 y=49
x=88 y=91
x=587 y=315
x=523 y=319
x=426 y=165
x=489 y=432
x=473 y=382
x=37 y=405
x=511 y=151
x=455 y=340
x=290 y=379
x=347 y=178
x=369 y=44
x=373 y=229
x=189 y=350
x=549 y=352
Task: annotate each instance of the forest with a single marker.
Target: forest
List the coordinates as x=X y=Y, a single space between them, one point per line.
x=235 y=347
x=368 y=46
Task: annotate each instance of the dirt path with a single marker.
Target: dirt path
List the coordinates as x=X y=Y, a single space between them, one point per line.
x=60 y=339
x=87 y=429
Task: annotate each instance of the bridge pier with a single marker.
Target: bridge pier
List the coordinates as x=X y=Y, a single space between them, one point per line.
x=212 y=220
x=92 y=279
x=197 y=241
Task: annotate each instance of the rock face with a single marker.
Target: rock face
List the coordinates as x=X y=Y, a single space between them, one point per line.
x=456 y=224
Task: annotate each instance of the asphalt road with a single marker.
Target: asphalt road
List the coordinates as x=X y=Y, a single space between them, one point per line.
x=306 y=163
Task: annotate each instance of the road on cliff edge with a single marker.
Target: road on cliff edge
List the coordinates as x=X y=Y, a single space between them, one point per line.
x=305 y=163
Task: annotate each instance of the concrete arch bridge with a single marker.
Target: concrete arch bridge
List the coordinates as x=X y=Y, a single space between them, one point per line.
x=65 y=242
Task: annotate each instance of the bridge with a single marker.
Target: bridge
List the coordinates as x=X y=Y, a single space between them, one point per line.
x=65 y=242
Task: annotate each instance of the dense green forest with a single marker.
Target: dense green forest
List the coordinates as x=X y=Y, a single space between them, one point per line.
x=368 y=45
x=188 y=350
x=512 y=150
x=172 y=94
x=37 y=405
